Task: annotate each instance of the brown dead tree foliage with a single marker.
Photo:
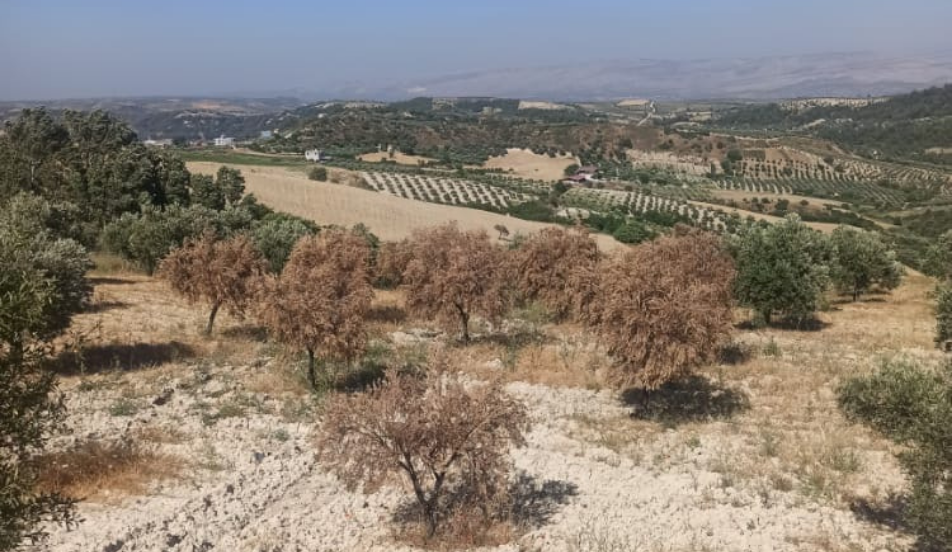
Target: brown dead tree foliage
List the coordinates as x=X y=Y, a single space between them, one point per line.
x=222 y=273
x=319 y=301
x=454 y=275
x=445 y=438
x=557 y=267
x=392 y=261
x=664 y=307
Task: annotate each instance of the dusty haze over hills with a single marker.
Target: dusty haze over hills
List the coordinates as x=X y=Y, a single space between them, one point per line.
x=846 y=74
x=560 y=49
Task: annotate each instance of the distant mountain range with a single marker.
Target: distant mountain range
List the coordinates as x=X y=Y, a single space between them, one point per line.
x=847 y=74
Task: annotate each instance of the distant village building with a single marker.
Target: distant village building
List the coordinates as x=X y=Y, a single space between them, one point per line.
x=266 y=135
x=316 y=155
x=224 y=141
x=164 y=143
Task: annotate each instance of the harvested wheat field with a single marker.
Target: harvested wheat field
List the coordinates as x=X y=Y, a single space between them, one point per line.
x=389 y=217
x=396 y=157
x=211 y=440
x=526 y=164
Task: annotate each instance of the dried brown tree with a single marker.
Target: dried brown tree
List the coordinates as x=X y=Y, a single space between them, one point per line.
x=664 y=307
x=503 y=231
x=391 y=263
x=319 y=301
x=442 y=436
x=557 y=267
x=454 y=275
x=222 y=273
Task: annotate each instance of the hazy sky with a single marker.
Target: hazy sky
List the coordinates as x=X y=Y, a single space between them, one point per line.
x=80 y=48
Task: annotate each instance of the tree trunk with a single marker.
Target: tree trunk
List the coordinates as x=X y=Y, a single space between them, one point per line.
x=855 y=294
x=211 y=318
x=429 y=514
x=464 y=322
x=311 y=375
x=766 y=317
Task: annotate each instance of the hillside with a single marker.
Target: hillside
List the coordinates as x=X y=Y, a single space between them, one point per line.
x=752 y=454
x=179 y=118
x=909 y=126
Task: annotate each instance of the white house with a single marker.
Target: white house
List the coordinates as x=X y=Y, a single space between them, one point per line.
x=164 y=143
x=315 y=155
x=224 y=142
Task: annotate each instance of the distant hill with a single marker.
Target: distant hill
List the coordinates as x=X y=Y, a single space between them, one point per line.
x=850 y=74
x=916 y=126
x=178 y=117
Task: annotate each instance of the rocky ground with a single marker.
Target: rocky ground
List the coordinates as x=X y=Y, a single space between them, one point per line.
x=762 y=463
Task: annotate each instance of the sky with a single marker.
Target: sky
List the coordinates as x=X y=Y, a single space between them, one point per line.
x=52 y=49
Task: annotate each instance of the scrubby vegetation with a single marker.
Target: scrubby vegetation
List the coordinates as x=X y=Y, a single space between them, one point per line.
x=221 y=273
x=781 y=268
x=912 y=405
x=664 y=308
x=319 y=301
x=659 y=311
x=861 y=260
x=448 y=440
x=556 y=267
x=454 y=275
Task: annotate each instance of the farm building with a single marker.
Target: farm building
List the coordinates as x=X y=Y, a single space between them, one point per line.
x=224 y=141
x=588 y=173
x=164 y=143
x=316 y=155
x=588 y=170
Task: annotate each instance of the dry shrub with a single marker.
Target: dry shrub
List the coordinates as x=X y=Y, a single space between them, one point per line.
x=319 y=301
x=448 y=440
x=664 y=307
x=557 y=267
x=455 y=274
x=391 y=262
x=222 y=273
x=94 y=470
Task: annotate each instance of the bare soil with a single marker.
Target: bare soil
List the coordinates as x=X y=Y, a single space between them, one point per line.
x=752 y=454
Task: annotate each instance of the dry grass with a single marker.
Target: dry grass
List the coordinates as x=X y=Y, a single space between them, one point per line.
x=570 y=362
x=103 y=472
x=526 y=164
x=741 y=195
x=397 y=157
x=387 y=312
x=825 y=227
x=390 y=217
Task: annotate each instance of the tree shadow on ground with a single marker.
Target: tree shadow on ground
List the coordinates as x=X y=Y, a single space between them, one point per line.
x=103 y=306
x=692 y=399
x=516 y=339
x=108 y=280
x=888 y=513
x=891 y=514
x=532 y=503
x=848 y=300
x=789 y=324
x=735 y=354
x=386 y=314
x=126 y=356
x=258 y=334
